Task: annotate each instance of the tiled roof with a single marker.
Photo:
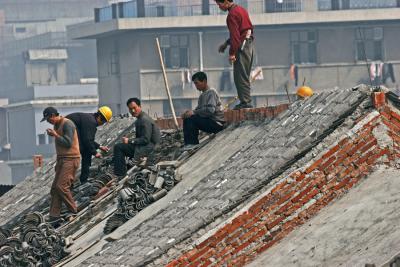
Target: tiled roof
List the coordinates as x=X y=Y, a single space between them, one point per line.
x=267 y=151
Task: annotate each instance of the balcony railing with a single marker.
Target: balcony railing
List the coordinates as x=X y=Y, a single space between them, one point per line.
x=172 y=8
x=356 y=4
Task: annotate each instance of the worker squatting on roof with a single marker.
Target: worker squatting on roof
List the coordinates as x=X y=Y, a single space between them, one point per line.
x=208 y=116
x=148 y=136
x=241 y=51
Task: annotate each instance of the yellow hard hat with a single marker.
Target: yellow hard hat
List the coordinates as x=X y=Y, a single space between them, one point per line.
x=106 y=112
x=305 y=91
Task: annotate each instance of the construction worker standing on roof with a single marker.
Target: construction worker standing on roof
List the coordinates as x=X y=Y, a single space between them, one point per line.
x=241 y=48
x=68 y=159
x=86 y=126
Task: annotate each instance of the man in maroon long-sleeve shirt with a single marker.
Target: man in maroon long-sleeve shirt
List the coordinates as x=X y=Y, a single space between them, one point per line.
x=241 y=48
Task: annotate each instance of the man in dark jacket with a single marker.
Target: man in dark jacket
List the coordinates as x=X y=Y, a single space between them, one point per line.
x=147 y=137
x=86 y=125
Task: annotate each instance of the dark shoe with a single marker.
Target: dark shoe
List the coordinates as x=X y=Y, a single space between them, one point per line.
x=242 y=106
x=55 y=221
x=247 y=106
x=238 y=106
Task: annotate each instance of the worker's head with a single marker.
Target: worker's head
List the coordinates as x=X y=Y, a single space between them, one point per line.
x=224 y=5
x=304 y=92
x=51 y=115
x=134 y=107
x=103 y=115
x=200 y=81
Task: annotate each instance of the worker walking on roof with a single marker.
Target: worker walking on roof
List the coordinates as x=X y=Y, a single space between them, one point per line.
x=86 y=126
x=241 y=48
x=148 y=136
x=68 y=159
x=208 y=116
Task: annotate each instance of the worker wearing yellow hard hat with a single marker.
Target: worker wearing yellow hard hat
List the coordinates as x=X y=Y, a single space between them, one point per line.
x=304 y=92
x=86 y=126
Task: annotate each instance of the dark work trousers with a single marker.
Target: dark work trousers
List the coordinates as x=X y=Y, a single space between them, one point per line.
x=61 y=188
x=85 y=165
x=241 y=71
x=129 y=150
x=192 y=125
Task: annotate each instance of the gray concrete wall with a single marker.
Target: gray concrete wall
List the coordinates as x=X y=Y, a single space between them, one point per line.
x=48 y=9
x=140 y=72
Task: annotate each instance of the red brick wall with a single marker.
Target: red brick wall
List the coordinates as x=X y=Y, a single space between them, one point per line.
x=233 y=116
x=299 y=196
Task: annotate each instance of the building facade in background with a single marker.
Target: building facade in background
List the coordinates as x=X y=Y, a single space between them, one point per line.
x=41 y=66
x=324 y=43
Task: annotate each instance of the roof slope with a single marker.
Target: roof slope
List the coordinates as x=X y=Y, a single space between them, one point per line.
x=34 y=190
x=360 y=228
x=261 y=158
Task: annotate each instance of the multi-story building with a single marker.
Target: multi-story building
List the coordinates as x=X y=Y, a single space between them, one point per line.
x=331 y=42
x=40 y=66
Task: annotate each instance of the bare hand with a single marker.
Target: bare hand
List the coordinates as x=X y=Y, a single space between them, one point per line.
x=52 y=132
x=187 y=114
x=125 y=140
x=232 y=58
x=104 y=148
x=222 y=48
x=98 y=155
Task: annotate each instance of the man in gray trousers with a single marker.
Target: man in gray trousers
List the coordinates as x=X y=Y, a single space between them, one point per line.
x=241 y=48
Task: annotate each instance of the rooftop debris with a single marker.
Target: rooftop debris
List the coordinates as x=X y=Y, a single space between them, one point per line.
x=32 y=243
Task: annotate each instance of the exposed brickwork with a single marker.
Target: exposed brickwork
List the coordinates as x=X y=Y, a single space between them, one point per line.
x=234 y=116
x=299 y=196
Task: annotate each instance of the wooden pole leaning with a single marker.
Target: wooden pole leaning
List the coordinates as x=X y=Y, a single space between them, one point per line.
x=166 y=84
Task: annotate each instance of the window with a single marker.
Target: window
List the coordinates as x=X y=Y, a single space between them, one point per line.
x=20 y=29
x=369 y=43
x=41 y=139
x=114 y=63
x=175 y=50
x=180 y=106
x=304 y=46
x=273 y=6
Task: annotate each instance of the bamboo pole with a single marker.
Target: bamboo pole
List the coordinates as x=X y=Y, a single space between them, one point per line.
x=166 y=84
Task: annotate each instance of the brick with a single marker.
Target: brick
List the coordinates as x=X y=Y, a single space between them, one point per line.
x=275 y=222
x=309 y=196
x=332 y=151
x=265 y=246
x=302 y=193
x=392 y=126
x=343 y=141
x=379 y=99
x=327 y=163
x=364 y=158
x=395 y=116
x=368 y=146
x=341 y=184
x=173 y=263
x=314 y=165
x=285 y=198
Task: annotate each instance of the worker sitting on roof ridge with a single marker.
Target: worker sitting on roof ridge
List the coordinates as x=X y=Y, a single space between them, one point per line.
x=86 y=126
x=68 y=159
x=208 y=116
x=147 y=138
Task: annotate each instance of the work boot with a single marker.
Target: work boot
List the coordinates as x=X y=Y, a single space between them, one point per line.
x=55 y=222
x=242 y=106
